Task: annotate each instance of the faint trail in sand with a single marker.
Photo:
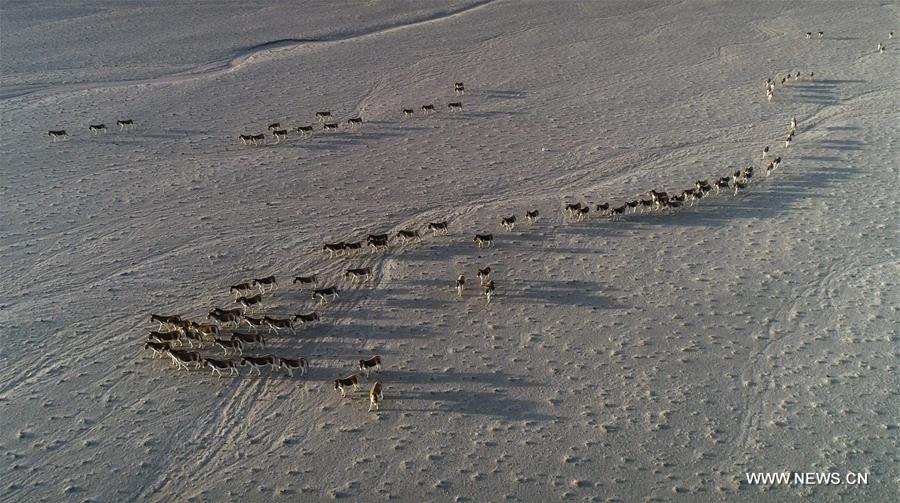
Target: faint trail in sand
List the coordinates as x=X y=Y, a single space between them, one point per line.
x=264 y=51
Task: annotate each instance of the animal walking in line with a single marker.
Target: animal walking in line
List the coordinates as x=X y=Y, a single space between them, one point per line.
x=277 y=324
x=183 y=358
x=454 y=106
x=232 y=316
x=808 y=35
x=305 y=131
x=97 y=128
x=484 y=240
x=351 y=247
x=377 y=243
x=170 y=321
x=322 y=294
x=572 y=209
x=323 y=116
x=489 y=290
x=158 y=348
x=330 y=126
x=765 y=152
x=275 y=125
x=769 y=94
x=531 y=217
x=254 y=323
x=509 y=222
x=428 y=108
x=603 y=208
x=581 y=214
x=406 y=236
x=483 y=274
x=218 y=366
x=793 y=124
x=279 y=135
x=201 y=329
x=192 y=336
x=247 y=339
x=247 y=302
x=306 y=280
x=267 y=284
x=332 y=248
x=438 y=227
x=408 y=112
x=346 y=383
x=241 y=288
x=125 y=124
x=306 y=318
x=233 y=344
x=375 y=396
x=362 y=273
x=252 y=139
x=787 y=141
x=354 y=122
x=459 y=88
x=293 y=364
x=372 y=363
x=58 y=135
x=258 y=362
x=460 y=285
x=821 y=34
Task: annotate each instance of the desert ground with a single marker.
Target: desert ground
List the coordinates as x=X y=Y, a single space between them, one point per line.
x=656 y=356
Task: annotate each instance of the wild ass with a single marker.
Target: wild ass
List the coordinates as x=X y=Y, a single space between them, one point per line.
x=375 y=396
x=362 y=273
x=483 y=274
x=267 y=284
x=218 y=366
x=406 y=235
x=322 y=294
x=347 y=382
x=58 y=134
x=306 y=318
x=372 y=363
x=292 y=364
x=247 y=302
x=258 y=362
x=306 y=280
x=483 y=240
x=438 y=227
x=489 y=290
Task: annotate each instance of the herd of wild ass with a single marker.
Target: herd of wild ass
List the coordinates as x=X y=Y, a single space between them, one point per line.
x=227 y=333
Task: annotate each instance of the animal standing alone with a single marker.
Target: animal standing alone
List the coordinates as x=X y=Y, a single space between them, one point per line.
x=375 y=396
